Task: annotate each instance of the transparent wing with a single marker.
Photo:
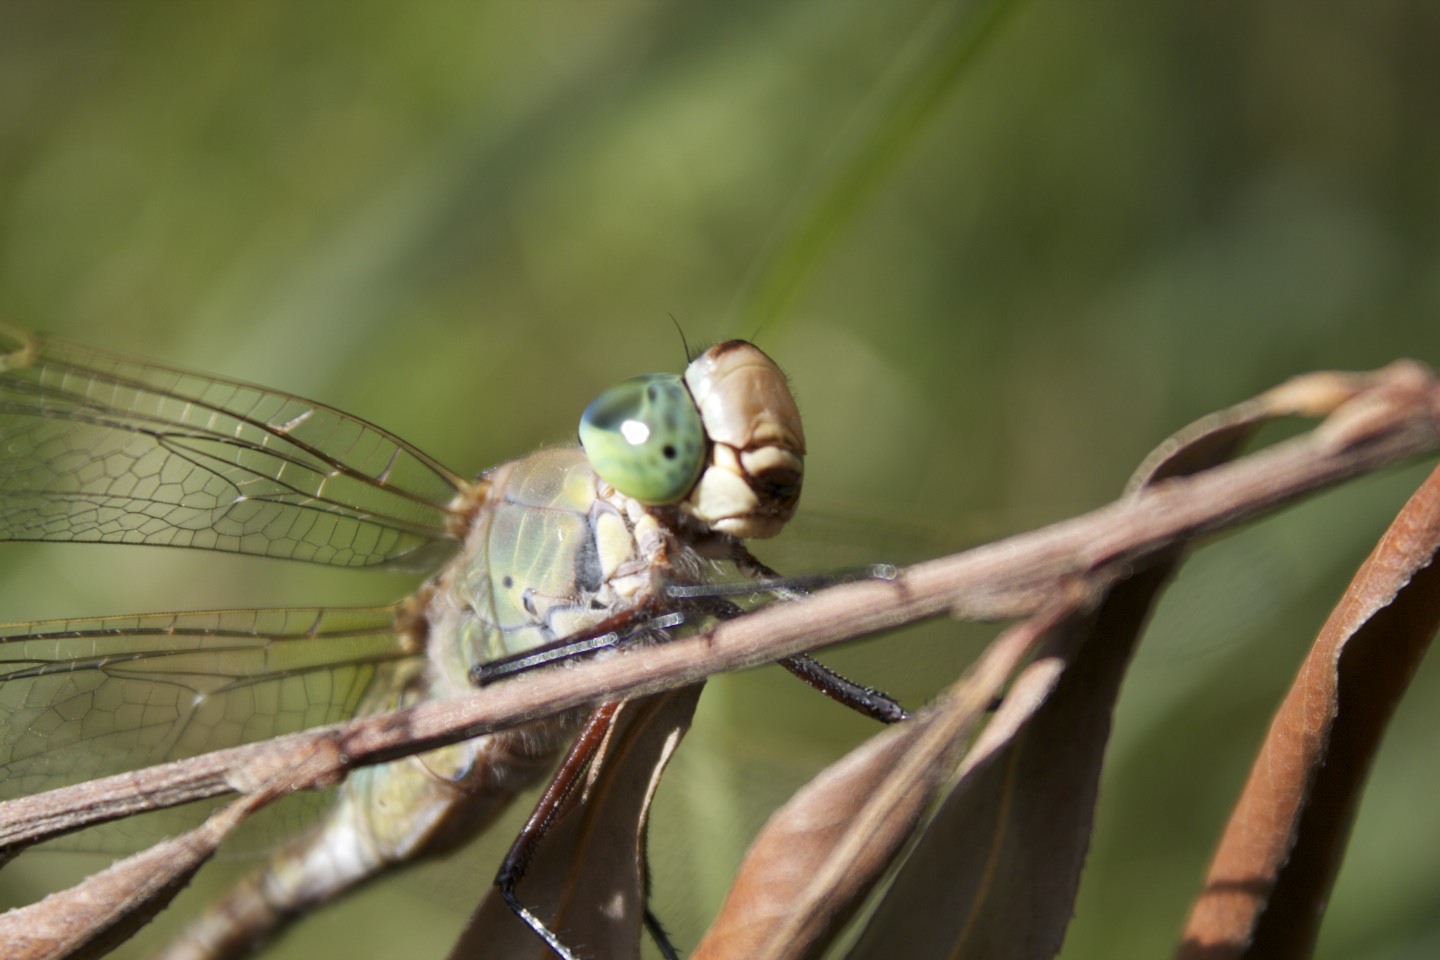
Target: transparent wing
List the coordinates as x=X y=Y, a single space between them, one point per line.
x=101 y=447
x=86 y=698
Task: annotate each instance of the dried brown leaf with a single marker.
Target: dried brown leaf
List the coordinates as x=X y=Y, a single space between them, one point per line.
x=825 y=849
x=996 y=872
x=587 y=879
x=1275 y=865
x=105 y=909
x=1215 y=437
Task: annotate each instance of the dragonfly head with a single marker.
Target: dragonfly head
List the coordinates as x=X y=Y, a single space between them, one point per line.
x=751 y=485
x=724 y=444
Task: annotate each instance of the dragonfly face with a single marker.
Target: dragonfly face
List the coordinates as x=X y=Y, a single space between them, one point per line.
x=98 y=447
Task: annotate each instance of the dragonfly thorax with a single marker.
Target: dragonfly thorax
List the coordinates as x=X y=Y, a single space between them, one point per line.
x=551 y=552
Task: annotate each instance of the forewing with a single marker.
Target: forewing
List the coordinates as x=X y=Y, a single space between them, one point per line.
x=101 y=447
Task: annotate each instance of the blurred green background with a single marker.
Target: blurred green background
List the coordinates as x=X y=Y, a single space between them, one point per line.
x=1000 y=258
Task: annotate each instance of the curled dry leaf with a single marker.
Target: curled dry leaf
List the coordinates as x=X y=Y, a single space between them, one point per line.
x=824 y=850
x=1275 y=865
x=997 y=871
x=587 y=880
x=106 y=908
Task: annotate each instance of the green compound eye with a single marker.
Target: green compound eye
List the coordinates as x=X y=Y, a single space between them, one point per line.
x=644 y=437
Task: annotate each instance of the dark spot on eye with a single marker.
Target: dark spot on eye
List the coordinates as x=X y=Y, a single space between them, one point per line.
x=653 y=392
x=508 y=582
x=669 y=451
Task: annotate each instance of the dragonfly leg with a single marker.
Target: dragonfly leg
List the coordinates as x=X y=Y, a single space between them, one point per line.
x=867 y=700
x=658 y=934
x=562 y=789
x=613 y=631
x=862 y=699
x=661 y=938
x=568 y=778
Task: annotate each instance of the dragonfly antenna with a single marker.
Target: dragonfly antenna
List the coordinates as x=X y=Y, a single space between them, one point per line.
x=684 y=344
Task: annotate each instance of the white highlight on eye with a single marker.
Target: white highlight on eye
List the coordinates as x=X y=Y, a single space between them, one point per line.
x=635 y=432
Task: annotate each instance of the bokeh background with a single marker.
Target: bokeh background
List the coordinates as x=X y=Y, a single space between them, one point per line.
x=1002 y=248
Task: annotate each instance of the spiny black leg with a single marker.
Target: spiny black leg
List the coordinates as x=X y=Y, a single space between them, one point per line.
x=659 y=936
x=652 y=922
x=567 y=779
x=866 y=700
x=611 y=632
x=538 y=925
x=765 y=580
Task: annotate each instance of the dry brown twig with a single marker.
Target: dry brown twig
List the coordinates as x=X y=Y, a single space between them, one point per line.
x=1070 y=577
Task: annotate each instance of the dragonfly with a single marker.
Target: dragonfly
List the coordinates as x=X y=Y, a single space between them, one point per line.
x=569 y=548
